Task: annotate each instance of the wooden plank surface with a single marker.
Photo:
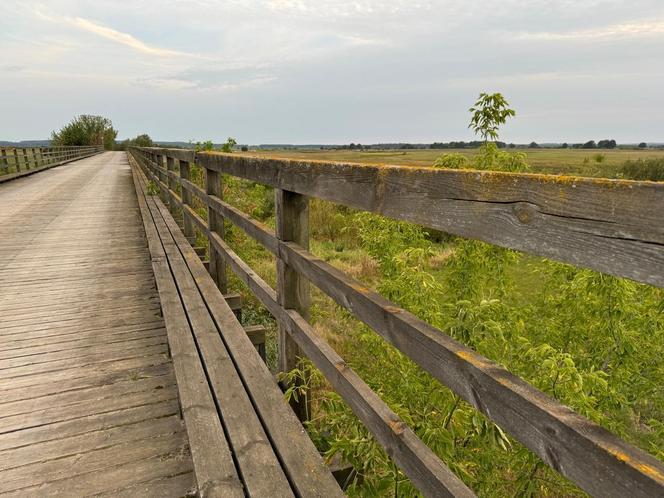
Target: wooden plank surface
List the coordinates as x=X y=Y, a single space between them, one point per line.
x=88 y=403
x=215 y=471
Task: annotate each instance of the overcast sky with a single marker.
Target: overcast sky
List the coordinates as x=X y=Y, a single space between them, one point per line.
x=333 y=71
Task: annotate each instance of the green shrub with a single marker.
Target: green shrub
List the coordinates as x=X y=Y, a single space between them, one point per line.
x=648 y=169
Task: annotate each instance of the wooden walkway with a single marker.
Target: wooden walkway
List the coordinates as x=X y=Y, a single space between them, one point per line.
x=88 y=402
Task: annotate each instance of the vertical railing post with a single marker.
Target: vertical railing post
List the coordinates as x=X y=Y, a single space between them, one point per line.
x=158 y=166
x=185 y=174
x=217 y=266
x=18 y=163
x=4 y=161
x=35 y=162
x=26 y=160
x=170 y=181
x=292 y=225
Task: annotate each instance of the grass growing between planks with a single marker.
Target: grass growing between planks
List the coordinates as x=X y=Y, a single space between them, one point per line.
x=594 y=342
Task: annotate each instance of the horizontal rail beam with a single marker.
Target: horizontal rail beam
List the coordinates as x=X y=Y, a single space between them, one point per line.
x=613 y=226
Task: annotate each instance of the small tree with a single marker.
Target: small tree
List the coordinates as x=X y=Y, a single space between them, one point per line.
x=643 y=145
x=488 y=113
x=533 y=145
x=228 y=146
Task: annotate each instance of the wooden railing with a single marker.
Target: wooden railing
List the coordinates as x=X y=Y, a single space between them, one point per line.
x=608 y=225
x=15 y=162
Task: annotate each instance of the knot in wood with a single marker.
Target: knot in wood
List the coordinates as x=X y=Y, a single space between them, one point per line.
x=524 y=213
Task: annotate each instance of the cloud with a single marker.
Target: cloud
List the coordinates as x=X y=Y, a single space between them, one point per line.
x=362 y=41
x=123 y=38
x=116 y=36
x=614 y=31
x=212 y=80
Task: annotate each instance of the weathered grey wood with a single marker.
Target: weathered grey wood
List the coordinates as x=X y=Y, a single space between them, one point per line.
x=17 y=163
x=81 y=153
x=170 y=167
x=301 y=461
x=292 y=224
x=4 y=161
x=83 y=355
x=185 y=175
x=90 y=424
x=613 y=226
x=259 y=467
x=77 y=374
x=95 y=376
x=177 y=486
x=256 y=334
x=72 y=475
x=91 y=441
x=213 y=462
x=216 y=224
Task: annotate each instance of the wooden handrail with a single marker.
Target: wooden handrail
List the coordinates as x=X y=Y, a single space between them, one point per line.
x=16 y=162
x=571 y=214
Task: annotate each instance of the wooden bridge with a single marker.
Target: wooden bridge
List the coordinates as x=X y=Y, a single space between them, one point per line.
x=125 y=372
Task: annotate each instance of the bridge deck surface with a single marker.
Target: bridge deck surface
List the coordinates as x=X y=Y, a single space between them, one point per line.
x=88 y=402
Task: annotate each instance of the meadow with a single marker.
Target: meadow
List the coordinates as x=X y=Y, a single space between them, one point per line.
x=592 y=341
x=583 y=162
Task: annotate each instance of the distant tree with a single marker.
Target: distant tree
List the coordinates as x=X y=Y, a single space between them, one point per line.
x=606 y=144
x=245 y=148
x=643 y=145
x=204 y=146
x=228 y=146
x=512 y=146
x=488 y=113
x=351 y=146
x=86 y=130
x=565 y=145
x=533 y=145
x=590 y=144
x=142 y=140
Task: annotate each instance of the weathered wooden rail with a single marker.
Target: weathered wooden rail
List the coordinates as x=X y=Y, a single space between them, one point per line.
x=607 y=225
x=17 y=162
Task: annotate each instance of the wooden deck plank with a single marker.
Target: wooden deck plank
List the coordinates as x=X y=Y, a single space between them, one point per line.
x=215 y=470
x=92 y=423
x=259 y=466
x=300 y=459
x=88 y=403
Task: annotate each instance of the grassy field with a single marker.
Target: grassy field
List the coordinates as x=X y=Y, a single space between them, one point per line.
x=550 y=161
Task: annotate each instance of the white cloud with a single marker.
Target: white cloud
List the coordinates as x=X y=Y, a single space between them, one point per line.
x=361 y=41
x=123 y=38
x=114 y=35
x=613 y=31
